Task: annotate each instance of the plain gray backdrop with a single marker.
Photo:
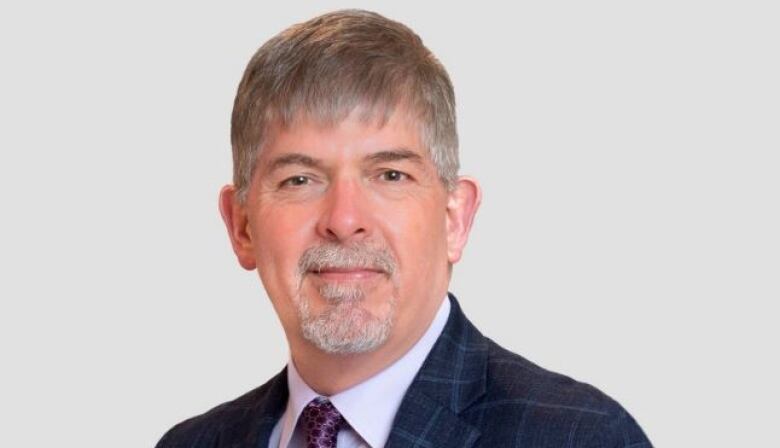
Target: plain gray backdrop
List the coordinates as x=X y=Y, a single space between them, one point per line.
x=628 y=235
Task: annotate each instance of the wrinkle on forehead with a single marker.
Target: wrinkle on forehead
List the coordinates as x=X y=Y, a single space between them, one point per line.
x=378 y=115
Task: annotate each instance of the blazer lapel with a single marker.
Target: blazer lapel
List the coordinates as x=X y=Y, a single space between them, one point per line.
x=427 y=423
x=254 y=425
x=452 y=378
x=272 y=409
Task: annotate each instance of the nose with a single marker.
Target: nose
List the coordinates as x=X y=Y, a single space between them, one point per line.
x=345 y=215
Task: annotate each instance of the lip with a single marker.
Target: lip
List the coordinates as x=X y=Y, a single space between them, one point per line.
x=346 y=274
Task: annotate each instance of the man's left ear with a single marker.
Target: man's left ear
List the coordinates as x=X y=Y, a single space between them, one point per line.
x=462 y=204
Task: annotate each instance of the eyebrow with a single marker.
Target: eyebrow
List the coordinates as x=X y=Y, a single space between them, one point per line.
x=390 y=155
x=394 y=155
x=293 y=159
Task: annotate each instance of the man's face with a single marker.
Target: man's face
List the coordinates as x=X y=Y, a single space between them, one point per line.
x=351 y=231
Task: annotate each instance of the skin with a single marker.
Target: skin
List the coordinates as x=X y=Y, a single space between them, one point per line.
x=354 y=182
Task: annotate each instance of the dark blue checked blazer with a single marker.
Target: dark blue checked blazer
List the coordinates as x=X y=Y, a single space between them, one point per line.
x=469 y=392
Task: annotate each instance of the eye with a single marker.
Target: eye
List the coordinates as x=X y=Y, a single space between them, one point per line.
x=394 y=176
x=295 y=181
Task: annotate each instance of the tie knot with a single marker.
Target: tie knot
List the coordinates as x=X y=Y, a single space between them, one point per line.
x=322 y=422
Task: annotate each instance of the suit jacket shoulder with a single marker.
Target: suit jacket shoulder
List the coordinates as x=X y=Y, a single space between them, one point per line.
x=472 y=392
x=237 y=423
x=544 y=408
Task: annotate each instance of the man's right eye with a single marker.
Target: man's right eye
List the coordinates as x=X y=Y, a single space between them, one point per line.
x=295 y=181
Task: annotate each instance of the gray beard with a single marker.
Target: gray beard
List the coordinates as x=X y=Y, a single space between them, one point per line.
x=345 y=327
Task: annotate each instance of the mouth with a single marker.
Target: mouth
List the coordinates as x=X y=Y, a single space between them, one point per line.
x=338 y=274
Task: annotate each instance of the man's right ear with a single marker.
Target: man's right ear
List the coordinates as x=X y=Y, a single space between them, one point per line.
x=235 y=216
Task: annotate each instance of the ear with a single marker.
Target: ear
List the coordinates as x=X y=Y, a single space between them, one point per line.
x=235 y=216
x=462 y=204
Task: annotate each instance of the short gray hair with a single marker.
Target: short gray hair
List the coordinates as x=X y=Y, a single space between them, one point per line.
x=331 y=65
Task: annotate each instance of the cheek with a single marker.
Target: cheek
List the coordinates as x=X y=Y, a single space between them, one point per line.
x=281 y=238
x=421 y=238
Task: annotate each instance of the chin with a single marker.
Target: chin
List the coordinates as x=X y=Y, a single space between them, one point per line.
x=346 y=323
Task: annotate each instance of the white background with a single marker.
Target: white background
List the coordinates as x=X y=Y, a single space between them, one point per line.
x=628 y=235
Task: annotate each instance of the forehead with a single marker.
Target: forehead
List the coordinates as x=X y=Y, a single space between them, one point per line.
x=357 y=135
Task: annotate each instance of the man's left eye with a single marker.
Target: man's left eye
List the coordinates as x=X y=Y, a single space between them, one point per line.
x=394 y=176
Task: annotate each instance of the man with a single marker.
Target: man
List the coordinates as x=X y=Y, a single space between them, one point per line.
x=346 y=200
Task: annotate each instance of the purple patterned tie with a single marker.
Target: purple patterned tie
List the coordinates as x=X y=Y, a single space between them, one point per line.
x=321 y=423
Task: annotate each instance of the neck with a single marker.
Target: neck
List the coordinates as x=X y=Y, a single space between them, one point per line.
x=329 y=374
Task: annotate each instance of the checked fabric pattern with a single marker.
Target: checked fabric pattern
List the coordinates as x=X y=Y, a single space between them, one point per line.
x=469 y=393
x=322 y=423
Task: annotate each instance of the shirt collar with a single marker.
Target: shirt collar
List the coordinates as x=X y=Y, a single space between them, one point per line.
x=370 y=406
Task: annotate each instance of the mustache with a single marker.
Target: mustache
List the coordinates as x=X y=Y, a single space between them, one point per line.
x=354 y=256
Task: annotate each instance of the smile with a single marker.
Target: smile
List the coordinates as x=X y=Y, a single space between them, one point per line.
x=346 y=274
